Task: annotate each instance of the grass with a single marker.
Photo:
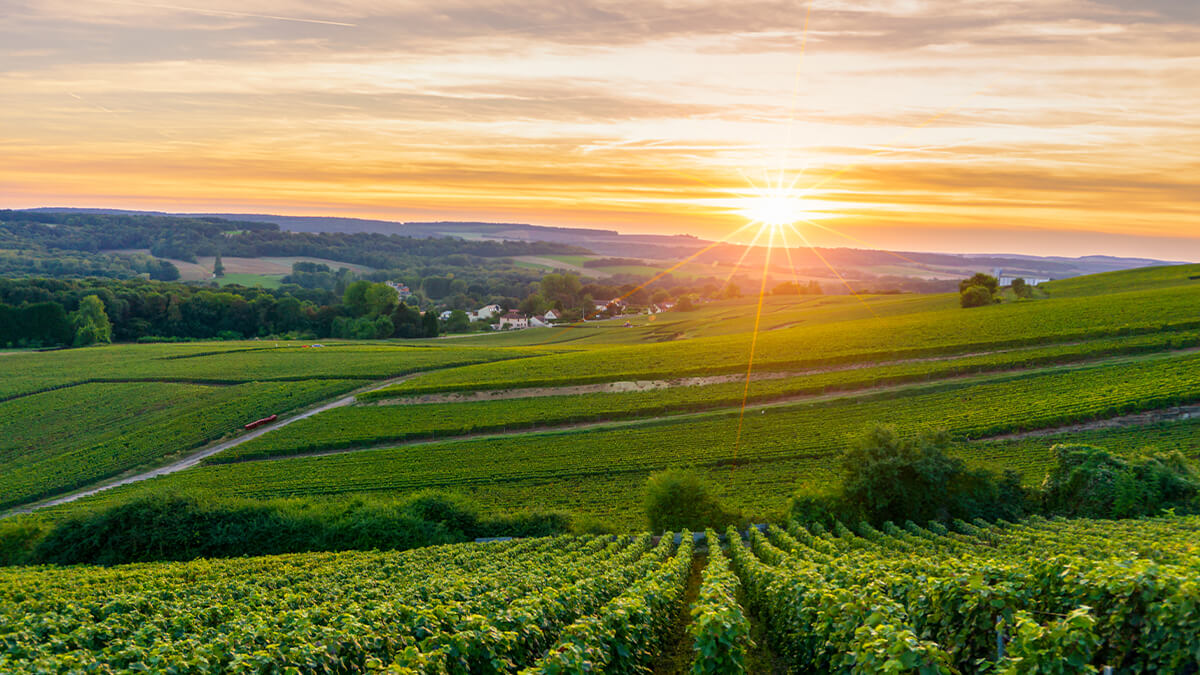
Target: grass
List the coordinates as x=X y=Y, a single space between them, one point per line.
x=250 y=280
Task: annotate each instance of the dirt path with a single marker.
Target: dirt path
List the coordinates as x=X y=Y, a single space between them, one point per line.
x=759 y=407
x=195 y=457
x=676 y=657
x=625 y=386
x=1176 y=414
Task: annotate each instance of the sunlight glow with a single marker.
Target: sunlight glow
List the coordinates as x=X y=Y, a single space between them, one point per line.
x=775 y=209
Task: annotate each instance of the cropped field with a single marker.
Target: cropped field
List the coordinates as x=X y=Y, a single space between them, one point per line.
x=464 y=608
x=70 y=438
x=1082 y=594
x=1090 y=593
x=376 y=425
x=793 y=443
x=948 y=330
x=70 y=418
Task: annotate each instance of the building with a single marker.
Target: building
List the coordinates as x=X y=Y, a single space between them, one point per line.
x=487 y=312
x=551 y=315
x=444 y=316
x=401 y=289
x=1008 y=279
x=539 y=321
x=513 y=320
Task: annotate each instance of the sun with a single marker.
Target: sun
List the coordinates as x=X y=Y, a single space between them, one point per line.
x=777 y=208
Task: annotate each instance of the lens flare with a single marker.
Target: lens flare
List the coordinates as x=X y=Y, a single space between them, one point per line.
x=776 y=209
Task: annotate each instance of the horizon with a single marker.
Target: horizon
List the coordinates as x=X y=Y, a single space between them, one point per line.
x=1061 y=129
x=851 y=246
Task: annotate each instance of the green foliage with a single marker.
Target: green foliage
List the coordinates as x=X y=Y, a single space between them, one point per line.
x=976 y=296
x=1088 y=481
x=719 y=630
x=1065 y=596
x=185 y=527
x=218 y=266
x=458 y=322
x=1064 y=646
x=678 y=498
x=981 y=280
x=463 y=608
x=628 y=632
x=886 y=476
x=91 y=323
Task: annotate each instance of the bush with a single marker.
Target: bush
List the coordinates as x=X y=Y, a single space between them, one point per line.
x=888 y=477
x=678 y=499
x=976 y=296
x=1090 y=482
x=186 y=527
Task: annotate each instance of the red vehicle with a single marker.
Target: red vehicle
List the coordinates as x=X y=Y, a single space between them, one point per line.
x=259 y=423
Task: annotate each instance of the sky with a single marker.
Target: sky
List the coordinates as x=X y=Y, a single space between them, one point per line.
x=1047 y=127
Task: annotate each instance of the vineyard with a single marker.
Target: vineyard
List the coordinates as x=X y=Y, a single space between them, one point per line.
x=780 y=446
x=377 y=425
x=1045 y=596
x=868 y=338
x=976 y=597
x=69 y=419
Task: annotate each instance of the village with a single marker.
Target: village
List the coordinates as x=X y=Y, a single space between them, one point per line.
x=514 y=319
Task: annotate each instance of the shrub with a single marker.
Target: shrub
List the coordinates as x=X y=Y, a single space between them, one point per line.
x=889 y=477
x=1090 y=482
x=976 y=296
x=187 y=527
x=678 y=499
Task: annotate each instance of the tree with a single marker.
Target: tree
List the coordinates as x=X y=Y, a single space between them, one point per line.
x=976 y=296
x=889 y=477
x=1089 y=482
x=561 y=290
x=678 y=498
x=814 y=288
x=355 y=298
x=218 y=266
x=660 y=296
x=1021 y=289
x=458 y=322
x=987 y=281
x=91 y=323
x=685 y=304
x=430 y=324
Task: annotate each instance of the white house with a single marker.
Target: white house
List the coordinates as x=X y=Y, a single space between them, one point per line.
x=444 y=316
x=1008 y=279
x=513 y=320
x=488 y=311
x=539 y=321
x=551 y=315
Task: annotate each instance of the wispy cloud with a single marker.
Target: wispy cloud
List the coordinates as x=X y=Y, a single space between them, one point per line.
x=619 y=112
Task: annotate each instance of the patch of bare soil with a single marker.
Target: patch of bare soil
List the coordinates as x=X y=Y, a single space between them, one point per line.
x=1176 y=414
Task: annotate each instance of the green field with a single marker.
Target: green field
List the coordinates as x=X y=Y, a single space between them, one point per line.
x=826 y=368
x=71 y=418
x=926 y=599
x=263 y=280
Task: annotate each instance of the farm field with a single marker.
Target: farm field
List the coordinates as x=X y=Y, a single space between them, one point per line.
x=362 y=426
x=830 y=368
x=71 y=418
x=1055 y=591
x=782 y=445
